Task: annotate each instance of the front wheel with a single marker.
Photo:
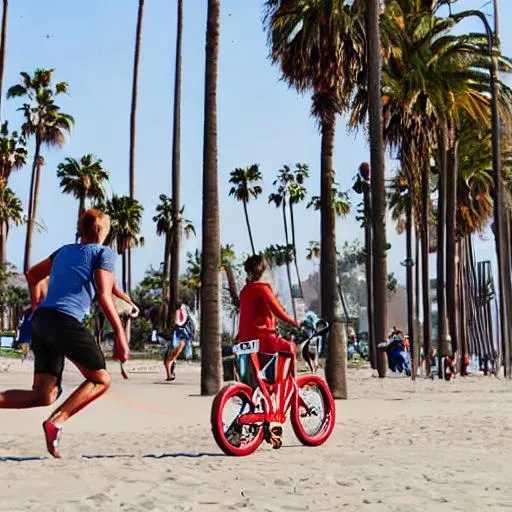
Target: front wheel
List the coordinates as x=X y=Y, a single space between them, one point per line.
x=233 y=438
x=313 y=414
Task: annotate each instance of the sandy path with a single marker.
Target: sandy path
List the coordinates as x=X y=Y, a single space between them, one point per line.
x=146 y=445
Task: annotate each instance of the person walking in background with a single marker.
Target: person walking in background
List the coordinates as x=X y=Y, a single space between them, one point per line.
x=179 y=338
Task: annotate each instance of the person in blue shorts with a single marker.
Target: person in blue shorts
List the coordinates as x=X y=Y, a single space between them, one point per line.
x=76 y=272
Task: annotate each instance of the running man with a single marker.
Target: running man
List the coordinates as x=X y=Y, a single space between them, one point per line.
x=57 y=329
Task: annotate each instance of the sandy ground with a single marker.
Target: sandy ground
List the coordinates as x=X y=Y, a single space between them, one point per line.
x=146 y=445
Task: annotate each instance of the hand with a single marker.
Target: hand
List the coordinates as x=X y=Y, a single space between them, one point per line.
x=121 y=350
x=135 y=311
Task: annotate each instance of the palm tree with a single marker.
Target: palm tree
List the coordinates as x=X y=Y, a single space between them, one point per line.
x=246 y=184
x=13 y=153
x=227 y=257
x=83 y=179
x=341 y=205
x=320 y=47
x=133 y=110
x=297 y=193
x=13 y=156
x=45 y=121
x=430 y=77
x=3 y=38
x=211 y=359
x=125 y=223
x=166 y=226
x=11 y=212
x=192 y=277
x=362 y=186
x=133 y=122
x=378 y=191
x=285 y=178
x=176 y=142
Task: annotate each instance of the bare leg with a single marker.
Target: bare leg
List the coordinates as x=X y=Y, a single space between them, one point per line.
x=96 y=383
x=44 y=392
x=171 y=359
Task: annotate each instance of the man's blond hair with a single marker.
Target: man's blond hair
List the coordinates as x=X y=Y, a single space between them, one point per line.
x=91 y=222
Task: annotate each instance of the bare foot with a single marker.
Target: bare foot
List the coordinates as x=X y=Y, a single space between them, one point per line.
x=52 y=434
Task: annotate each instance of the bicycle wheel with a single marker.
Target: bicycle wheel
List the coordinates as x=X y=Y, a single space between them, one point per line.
x=313 y=413
x=231 y=402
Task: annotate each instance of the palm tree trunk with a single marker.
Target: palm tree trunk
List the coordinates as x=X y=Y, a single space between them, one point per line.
x=248 y=227
x=133 y=117
x=176 y=167
x=380 y=309
x=81 y=209
x=3 y=242
x=410 y=278
x=451 y=253
x=461 y=299
x=233 y=290
x=166 y=304
x=417 y=281
x=288 y=272
x=3 y=38
x=32 y=204
x=442 y=323
x=292 y=221
x=133 y=112
x=372 y=349
x=211 y=360
x=336 y=362
x=425 y=278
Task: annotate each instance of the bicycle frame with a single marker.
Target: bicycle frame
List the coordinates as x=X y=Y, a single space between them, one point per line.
x=278 y=396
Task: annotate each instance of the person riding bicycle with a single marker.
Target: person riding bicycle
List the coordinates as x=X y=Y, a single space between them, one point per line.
x=259 y=309
x=57 y=330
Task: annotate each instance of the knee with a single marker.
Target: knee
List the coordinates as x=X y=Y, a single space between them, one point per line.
x=48 y=397
x=103 y=379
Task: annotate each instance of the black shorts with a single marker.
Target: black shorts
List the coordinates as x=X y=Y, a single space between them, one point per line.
x=55 y=336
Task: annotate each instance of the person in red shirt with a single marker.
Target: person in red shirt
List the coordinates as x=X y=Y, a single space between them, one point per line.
x=259 y=310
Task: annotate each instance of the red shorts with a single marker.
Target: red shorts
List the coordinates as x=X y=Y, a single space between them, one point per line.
x=270 y=343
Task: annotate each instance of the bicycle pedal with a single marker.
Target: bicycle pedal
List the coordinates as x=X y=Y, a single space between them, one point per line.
x=277 y=430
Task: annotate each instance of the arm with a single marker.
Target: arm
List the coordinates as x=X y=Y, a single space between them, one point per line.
x=277 y=309
x=36 y=278
x=118 y=293
x=105 y=281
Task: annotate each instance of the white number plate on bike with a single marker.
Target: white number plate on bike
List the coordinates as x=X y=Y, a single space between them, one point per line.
x=246 y=347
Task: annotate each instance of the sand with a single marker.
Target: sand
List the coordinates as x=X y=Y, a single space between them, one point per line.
x=146 y=445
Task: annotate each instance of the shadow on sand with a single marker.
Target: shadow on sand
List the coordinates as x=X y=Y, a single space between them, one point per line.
x=175 y=455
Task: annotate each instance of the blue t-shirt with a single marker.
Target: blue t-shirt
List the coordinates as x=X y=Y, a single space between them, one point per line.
x=71 y=289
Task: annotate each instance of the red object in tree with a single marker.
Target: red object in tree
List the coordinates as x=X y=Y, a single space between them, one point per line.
x=386 y=100
x=364 y=170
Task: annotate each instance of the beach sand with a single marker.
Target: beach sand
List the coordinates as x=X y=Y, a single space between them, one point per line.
x=146 y=445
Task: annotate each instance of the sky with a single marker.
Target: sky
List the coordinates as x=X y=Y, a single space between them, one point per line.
x=260 y=120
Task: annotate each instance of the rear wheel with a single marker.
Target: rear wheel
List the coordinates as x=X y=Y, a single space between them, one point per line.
x=233 y=401
x=313 y=414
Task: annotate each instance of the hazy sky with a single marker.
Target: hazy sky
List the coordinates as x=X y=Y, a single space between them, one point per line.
x=90 y=45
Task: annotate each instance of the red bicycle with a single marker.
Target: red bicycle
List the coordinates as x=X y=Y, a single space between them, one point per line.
x=244 y=416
